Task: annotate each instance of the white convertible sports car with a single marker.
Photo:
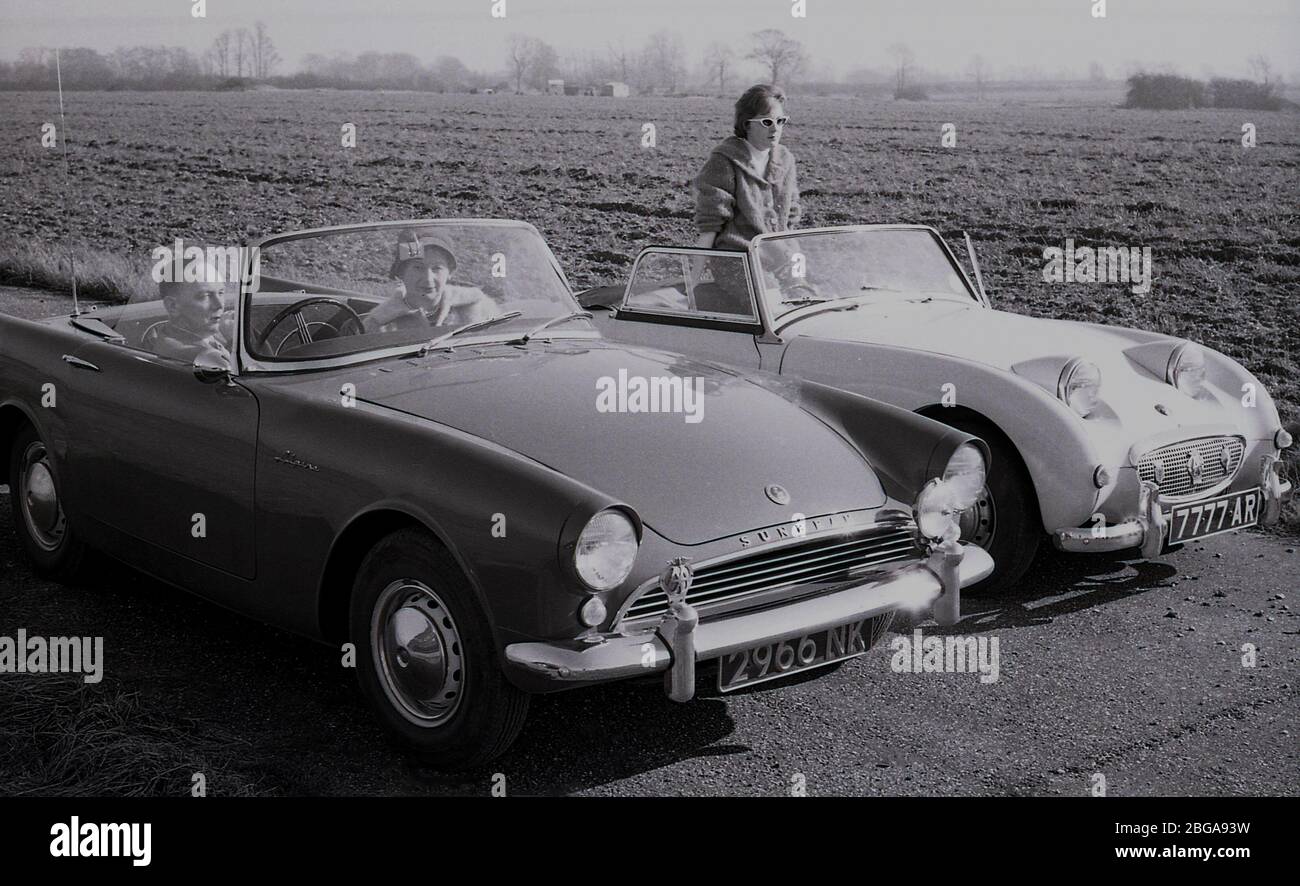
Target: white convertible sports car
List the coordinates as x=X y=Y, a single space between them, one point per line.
x=1103 y=438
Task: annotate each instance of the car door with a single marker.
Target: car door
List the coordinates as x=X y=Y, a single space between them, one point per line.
x=162 y=456
x=698 y=302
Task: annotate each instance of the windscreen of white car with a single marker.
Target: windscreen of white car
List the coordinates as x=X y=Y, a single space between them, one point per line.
x=809 y=268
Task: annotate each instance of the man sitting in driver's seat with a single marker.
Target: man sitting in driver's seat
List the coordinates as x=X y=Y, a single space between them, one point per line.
x=427 y=299
x=197 y=324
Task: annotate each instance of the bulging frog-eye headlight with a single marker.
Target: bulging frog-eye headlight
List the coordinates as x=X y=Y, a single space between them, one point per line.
x=606 y=550
x=1186 y=369
x=1080 y=386
x=965 y=475
x=938 y=512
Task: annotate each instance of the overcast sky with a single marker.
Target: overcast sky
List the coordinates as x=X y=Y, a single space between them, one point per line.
x=1194 y=36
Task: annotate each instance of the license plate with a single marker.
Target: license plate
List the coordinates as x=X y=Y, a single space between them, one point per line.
x=785 y=657
x=1223 y=514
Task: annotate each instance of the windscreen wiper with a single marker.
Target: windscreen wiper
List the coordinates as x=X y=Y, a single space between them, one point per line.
x=554 y=321
x=468 y=327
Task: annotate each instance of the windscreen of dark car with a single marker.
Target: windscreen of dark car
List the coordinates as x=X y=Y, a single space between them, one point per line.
x=349 y=291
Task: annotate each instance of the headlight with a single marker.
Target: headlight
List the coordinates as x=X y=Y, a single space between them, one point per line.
x=1186 y=369
x=1080 y=386
x=606 y=550
x=937 y=512
x=965 y=475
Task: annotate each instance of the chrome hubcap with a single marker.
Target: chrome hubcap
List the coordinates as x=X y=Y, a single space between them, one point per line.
x=418 y=652
x=39 y=497
x=979 y=521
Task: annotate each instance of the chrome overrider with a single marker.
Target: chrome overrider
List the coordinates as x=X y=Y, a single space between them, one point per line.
x=681 y=639
x=1148 y=529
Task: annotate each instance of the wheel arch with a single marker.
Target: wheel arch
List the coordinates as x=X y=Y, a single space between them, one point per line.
x=12 y=418
x=350 y=548
x=947 y=414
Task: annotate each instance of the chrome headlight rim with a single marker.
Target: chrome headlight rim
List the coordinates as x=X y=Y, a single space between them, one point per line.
x=1068 y=376
x=590 y=545
x=941 y=513
x=966 y=492
x=1181 y=362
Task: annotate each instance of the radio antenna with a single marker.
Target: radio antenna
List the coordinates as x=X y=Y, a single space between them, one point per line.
x=63 y=142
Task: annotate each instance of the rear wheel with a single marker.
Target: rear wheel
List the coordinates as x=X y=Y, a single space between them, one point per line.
x=39 y=519
x=1004 y=520
x=425 y=656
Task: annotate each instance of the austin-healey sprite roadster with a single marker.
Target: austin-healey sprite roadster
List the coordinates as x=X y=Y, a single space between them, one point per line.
x=1102 y=438
x=411 y=439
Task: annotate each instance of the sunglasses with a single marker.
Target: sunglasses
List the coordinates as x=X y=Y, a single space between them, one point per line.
x=769 y=122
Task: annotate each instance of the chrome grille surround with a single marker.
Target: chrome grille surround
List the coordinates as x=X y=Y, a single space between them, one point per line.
x=1169 y=467
x=828 y=558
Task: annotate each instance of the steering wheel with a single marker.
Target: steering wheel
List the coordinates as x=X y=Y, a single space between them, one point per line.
x=303 y=328
x=802 y=286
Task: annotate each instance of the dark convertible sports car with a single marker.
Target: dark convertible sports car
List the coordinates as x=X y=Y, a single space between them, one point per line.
x=408 y=437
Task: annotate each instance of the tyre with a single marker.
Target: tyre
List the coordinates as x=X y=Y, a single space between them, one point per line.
x=39 y=520
x=426 y=660
x=1005 y=519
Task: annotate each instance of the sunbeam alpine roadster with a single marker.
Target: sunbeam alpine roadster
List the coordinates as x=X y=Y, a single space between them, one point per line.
x=1102 y=438
x=408 y=437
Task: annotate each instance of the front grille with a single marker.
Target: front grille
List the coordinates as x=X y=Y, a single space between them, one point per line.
x=817 y=560
x=1170 y=467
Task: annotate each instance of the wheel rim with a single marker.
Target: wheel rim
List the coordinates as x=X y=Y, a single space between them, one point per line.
x=39 y=498
x=979 y=521
x=418 y=652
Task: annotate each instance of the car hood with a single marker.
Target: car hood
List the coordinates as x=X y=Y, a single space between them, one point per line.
x=691 y=481
x=996 y=338
x=1037 y=349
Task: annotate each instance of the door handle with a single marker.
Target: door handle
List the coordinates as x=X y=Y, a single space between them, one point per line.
x=78 y=363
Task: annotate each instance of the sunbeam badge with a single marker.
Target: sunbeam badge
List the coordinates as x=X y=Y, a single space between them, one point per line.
x=676 y=580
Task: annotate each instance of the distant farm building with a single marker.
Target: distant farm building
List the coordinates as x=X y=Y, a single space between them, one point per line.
x=615 y=89
x=555 y=87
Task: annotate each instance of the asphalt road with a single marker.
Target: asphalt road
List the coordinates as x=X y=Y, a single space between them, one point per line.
x=1132 y=670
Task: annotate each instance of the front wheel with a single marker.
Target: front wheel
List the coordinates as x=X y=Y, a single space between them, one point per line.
x=425 y=656
x=1004 y=519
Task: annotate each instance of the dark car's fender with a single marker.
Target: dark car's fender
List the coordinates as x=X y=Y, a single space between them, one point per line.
x=906 y=450
x=455 y=485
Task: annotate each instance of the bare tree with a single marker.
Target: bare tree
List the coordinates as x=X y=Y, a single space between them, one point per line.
x=221 y=47
x=979 y=72
x=1261 y=68
x=781 y=55
x=718 y=59
x=520 y=52
x=904 y=61
x=545 y=65
x=622 y=61
x=265 y=58
x=665 y=56
x=242 y=47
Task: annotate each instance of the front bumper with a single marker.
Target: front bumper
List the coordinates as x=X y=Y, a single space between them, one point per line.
x=1149 y=529
x=681 y=639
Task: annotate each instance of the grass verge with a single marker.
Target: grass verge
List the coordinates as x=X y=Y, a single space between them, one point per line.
x=61 y=737
x=100 y=275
